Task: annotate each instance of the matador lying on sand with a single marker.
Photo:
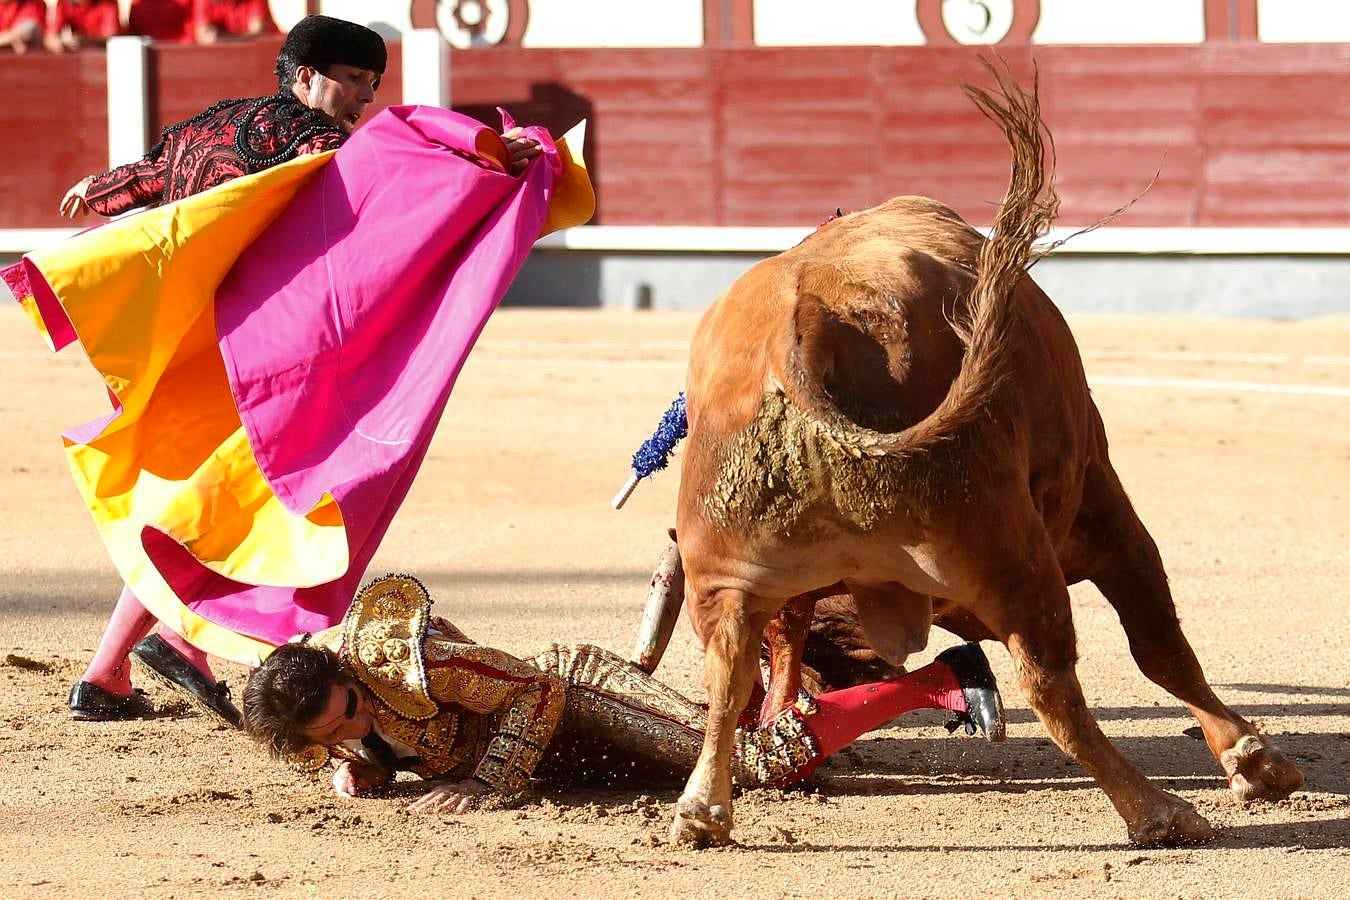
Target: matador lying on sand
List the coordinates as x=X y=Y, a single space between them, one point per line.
x=393 y=688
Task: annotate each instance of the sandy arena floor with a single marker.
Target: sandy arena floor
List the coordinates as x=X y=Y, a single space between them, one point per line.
x=1233 y=438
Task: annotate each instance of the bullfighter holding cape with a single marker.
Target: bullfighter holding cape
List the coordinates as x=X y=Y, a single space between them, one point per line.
x=278 y=350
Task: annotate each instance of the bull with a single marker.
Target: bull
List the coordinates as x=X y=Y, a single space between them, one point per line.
x=894 y=416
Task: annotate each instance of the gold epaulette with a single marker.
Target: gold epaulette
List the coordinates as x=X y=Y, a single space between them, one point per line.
x=382 y=643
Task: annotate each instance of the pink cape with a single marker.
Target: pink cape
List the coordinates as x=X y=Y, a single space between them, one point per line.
x=343 y=328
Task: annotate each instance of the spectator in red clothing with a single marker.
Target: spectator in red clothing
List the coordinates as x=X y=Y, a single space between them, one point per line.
x=21 y=24
x=161 y=20
x=213 y=20
x=73 y=24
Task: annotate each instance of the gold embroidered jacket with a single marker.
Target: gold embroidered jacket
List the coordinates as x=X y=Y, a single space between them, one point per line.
x=467 y=710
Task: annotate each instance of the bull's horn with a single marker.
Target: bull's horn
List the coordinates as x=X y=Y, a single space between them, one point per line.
x=663 y=608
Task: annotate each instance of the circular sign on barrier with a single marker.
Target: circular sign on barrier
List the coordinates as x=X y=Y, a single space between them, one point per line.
x=473 y=23
x=978 y=21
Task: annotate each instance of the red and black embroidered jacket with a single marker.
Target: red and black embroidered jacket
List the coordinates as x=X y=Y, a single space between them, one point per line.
x=231 y=138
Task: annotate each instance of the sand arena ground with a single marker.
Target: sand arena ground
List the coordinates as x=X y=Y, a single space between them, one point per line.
x=1232 y=437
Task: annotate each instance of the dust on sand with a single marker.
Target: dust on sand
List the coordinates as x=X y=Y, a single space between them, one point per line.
x=1245 y=491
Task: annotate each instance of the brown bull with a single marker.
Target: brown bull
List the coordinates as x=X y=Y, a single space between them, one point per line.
x=895 y=409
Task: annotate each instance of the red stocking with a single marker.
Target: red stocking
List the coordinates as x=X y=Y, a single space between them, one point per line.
x=844 y=716
x=841 y=717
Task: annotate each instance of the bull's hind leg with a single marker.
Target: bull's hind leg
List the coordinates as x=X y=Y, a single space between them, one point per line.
x=1023 y=598
x=1128 y=570
x=703 y=813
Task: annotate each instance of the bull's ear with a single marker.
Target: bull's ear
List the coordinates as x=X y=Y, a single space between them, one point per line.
x=671 y=533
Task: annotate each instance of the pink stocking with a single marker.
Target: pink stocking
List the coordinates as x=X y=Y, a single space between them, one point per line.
x=110 y=668
x=190 y=653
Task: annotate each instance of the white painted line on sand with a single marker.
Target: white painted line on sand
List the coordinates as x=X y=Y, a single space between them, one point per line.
x=1196 y=356
x=1237 y=387
x=1274 y=359
x=1270 y=359
x=1193 y=384
x=1183 y=384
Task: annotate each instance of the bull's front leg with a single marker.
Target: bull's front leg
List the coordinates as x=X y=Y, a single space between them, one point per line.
x=703 y=813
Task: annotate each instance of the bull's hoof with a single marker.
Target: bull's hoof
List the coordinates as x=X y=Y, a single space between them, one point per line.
x=699 y=825
x=1173 y=823
x=1258 y=771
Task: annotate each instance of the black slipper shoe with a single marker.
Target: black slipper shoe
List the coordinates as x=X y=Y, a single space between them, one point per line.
x=171 y=668
x=91 y=703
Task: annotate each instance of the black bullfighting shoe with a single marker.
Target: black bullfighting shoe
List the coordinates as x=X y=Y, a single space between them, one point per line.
x=173 y=669
x=984 y=706
x=91 y=703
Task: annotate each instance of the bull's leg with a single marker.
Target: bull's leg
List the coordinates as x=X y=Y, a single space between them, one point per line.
x=703 y=813
x=1025 y=601
x=960 y=622
x=1130 y=575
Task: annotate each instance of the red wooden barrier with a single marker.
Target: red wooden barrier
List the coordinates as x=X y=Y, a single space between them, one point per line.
x=53 y=131
x=1240 y=133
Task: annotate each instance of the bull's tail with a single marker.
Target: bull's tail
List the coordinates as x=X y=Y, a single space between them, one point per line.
x=988 y=325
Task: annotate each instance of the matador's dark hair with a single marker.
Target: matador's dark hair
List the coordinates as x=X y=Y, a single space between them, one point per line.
x=322 y=41
x=287 y=692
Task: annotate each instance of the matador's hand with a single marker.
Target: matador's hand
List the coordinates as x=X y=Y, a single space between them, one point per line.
x=521 y=148
x=73 y=203
x=354 y=779
x=450 y=799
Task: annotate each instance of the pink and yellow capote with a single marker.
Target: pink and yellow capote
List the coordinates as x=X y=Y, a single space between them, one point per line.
x=279 y=350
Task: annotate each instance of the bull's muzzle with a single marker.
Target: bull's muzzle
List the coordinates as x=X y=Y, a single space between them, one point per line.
x=663 y=608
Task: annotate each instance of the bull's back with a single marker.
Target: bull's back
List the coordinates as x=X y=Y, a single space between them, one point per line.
x=904 y=258
x=864 y=305
x=734 y=348
x=755 y=461
x=910 y=265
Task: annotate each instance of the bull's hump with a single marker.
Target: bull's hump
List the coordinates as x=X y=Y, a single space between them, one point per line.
x=901 y=223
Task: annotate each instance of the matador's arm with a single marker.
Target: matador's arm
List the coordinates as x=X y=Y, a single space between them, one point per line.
x=526 y=706
x=139 y=183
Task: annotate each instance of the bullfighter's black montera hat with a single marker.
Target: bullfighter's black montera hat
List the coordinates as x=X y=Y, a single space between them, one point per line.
x=322 y=41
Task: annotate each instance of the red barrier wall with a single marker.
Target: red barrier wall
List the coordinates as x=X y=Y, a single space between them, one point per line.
x=1239 y=133
x=53 y=131
x=188 y=79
